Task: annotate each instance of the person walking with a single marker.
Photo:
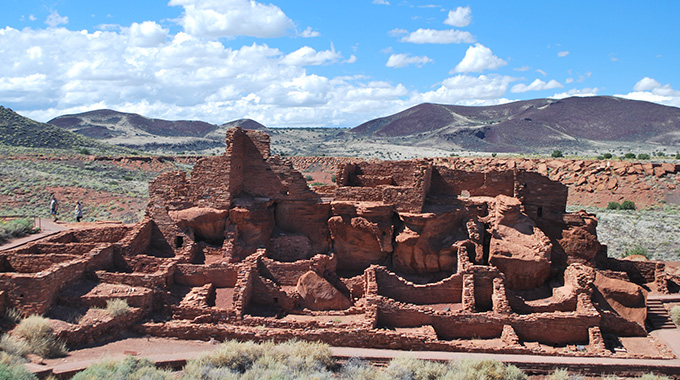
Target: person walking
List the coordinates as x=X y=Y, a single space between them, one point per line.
x=54 y=207
x=79 y=211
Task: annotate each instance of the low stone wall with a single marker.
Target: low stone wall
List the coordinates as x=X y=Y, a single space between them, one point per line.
x=390 y=285
x=221 y=275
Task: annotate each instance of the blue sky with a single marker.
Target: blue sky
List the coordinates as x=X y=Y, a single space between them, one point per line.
x=295 y=63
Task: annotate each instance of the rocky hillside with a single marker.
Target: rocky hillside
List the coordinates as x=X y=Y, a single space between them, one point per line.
x=20 y=131
x=539 y=125
x=156 y=135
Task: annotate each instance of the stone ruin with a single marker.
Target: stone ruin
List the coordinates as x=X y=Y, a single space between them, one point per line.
x=400 y=254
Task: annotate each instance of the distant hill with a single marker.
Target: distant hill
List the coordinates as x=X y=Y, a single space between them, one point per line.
x=153 y=135
x=578 y=123
x=17 y=130
x=105 y=124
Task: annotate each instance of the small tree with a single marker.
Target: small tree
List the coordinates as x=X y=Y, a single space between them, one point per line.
x=643 y=156
x=613 y=206
x=629 y=155
x=628 y=205
x=607 y=156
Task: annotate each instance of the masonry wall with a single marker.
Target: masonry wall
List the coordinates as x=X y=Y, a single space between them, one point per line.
x=446 y=181
x=392 y=286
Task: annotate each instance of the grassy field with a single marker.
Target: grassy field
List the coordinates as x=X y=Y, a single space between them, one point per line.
x=655 y=229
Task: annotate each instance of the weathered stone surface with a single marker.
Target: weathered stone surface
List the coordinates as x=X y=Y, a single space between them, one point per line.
x=318 y=294
x=204 y=223
x=627 y=299
x=518 y=248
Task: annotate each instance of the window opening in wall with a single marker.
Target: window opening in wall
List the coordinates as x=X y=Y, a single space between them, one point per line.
x=539 y=212
x=179 y=241
x=276 y=300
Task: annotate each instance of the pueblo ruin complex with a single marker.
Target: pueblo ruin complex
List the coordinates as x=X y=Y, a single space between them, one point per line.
x=401 y=254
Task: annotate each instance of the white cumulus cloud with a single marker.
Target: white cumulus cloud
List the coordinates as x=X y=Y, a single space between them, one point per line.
x=478 y=58
x=563 y=54
x=381 y=2
x=227 y=18
x=460 y=17
x=309 y=33
x=536 y=85
x=306 y=56
x=650 y=90
x=403 y=60
x=468 y=90
x=431 y=36
x=147 y=34
x=54 y=19
x=646 y=84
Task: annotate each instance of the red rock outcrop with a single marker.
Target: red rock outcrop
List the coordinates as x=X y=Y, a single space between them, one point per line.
x=318 y=294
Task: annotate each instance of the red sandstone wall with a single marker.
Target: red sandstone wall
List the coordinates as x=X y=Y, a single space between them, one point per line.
x=446 y=291
x=222 y=275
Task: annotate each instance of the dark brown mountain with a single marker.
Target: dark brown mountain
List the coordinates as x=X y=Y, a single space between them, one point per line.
x=577 y=122
x=106 y=124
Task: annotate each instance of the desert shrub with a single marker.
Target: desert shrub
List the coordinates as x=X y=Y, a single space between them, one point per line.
x=333 y=178
x=494 y=154
x=559 y=374
x=13 y=315
x=84 y=151
x=309 y=177
x=675 y=315
x=407 y=368
x=651 y=376
x=39 y=336
x=16 y=228
x=643 y=156
x=15 y=372
x=629 y=155
x=607 y=155
x=357 y=369
x=628 y=205
x=130 y=368
x=11 y=345
x=556 y=154
x=637 y=250
x=292 y=359
x=484 y=370
x=116 y=307
x=660 y=154
x=613 y=206
x=600 y=157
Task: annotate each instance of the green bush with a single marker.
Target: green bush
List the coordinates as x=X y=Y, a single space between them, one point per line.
x=84 y=151
x=556 y=154
x=130 y=368
x=675 y=315
x=628 y=205
x=613 y=206
x=309 y=177
x=629 y=155
x=116 y=307
x=607 y=155
x=643 y=156
x=637 y=250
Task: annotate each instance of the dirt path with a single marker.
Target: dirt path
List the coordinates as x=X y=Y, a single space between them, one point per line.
x=174 y=353
x=47 y=228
